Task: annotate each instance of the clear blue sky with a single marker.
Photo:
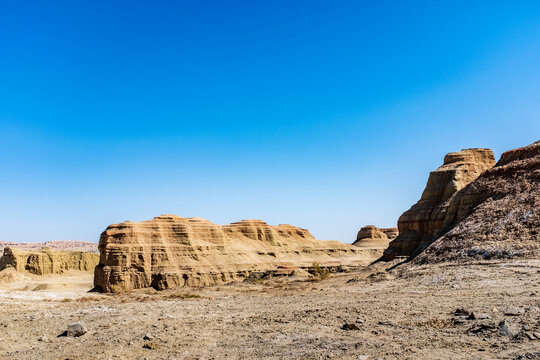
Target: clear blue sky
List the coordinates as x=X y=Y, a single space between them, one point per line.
x=322 y=114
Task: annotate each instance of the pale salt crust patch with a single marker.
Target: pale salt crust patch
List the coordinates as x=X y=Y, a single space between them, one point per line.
x=34 y=295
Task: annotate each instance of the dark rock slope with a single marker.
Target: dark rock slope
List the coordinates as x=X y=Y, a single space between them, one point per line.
x=426 y=219
x=495 y=216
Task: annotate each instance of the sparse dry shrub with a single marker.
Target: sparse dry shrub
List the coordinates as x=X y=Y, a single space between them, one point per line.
x=183 y=296
x=318 y=272
x=87 y=299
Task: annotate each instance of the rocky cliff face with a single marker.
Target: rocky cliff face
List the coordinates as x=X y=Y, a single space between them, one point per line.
x=425 y=220
x=47 y=261
x=171 y=251
x=495 y=216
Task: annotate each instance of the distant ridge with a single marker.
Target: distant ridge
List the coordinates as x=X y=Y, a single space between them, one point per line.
x=67 y=245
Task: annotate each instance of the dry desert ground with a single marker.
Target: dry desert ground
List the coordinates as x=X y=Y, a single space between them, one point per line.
x=447 y=311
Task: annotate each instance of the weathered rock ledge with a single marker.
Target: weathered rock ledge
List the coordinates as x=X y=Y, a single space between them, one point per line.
x=47 y=261
x=496 y=216
x=171 y=251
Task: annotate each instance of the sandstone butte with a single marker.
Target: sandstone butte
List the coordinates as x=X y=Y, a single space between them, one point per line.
x=425 y=220
x=171 y=251
x=495 y=216
x=47 y=261
x=374 y=238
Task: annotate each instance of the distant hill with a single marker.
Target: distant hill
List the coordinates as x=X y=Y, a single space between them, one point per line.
x=68 y=245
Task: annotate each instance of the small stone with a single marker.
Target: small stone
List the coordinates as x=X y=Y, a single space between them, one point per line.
x=513 y=311
x=482 y=327
x=347 y=326
x=479 y=316
x=151 y=346
x=461 y=313
x=43 y=338
x=530 y=336
x=359 y=320
x=148 y=337
x=506 y=330
x=76 y=329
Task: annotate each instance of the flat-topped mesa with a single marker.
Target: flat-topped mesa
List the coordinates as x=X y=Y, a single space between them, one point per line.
x=170 y=251
x=47 y=261
x=425 y=219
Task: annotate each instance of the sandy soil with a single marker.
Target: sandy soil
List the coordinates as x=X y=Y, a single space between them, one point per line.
x=69 y=285
x=399 y=315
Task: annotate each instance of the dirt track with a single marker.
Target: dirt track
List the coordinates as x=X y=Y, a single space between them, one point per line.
x=401 y=315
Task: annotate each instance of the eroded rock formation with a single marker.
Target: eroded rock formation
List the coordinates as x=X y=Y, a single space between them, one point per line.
x=171 y=251
x=47 y=261
x=425 y=220
x=374 y=238
x=495 y=216
x=392 y=233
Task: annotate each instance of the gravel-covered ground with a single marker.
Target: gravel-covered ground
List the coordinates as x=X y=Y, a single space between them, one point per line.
x=404 y=314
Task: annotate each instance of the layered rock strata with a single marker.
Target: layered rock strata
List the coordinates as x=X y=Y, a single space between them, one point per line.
x=47 y=261
x=372 y=237
x=426 y=219
x=495 y=216
x=171 y=251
